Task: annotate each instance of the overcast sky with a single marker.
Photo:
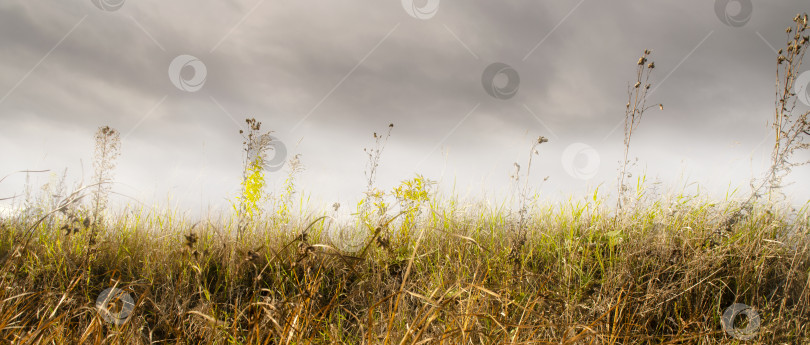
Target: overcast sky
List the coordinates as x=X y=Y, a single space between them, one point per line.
x=325 y=75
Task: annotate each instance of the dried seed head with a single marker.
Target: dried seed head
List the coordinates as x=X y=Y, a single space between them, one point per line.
x=251 y=256
x=383 y=242
x=651 y=65
x=191 y=239
x=789 y=30
x=642 y=60
x=661 y=106
x=638 y=83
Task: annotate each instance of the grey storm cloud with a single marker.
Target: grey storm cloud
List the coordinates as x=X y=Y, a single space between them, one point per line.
x=325 y=75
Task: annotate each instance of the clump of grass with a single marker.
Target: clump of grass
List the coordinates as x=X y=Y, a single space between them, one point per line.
x=519 y=234
x=108 y=148
x=372 y=209
x=791 y=129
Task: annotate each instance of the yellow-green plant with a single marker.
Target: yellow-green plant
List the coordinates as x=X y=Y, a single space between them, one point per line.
x=256 y=144
x=411 y=194
x=252 y=187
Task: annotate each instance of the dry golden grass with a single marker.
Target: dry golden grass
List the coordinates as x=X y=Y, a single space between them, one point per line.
x=663 y=274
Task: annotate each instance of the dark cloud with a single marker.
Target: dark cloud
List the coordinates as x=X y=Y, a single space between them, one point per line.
x=325 y=76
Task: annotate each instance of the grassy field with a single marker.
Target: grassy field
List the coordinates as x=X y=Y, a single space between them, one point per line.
x=441 y=272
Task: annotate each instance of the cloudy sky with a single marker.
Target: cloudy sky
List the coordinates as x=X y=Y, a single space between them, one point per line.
x=178 y=78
